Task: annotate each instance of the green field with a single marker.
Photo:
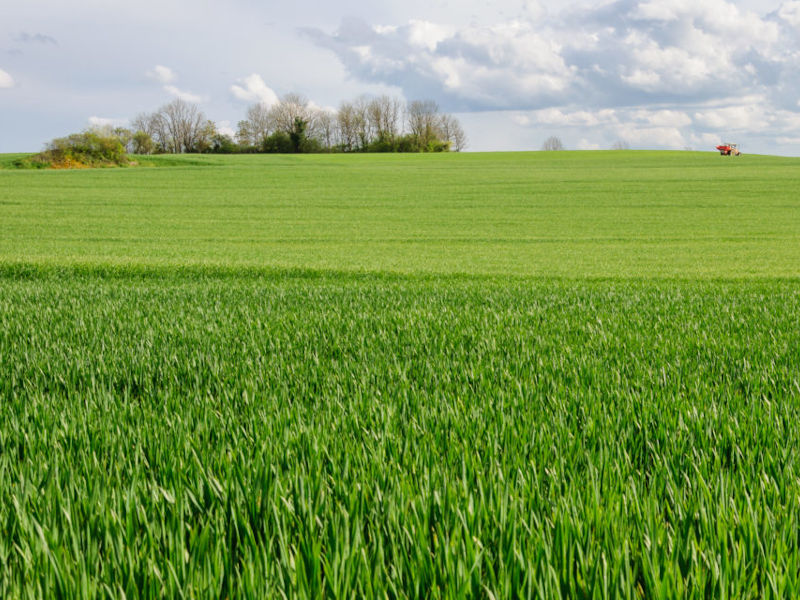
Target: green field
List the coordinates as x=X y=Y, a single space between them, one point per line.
x=481 y=375
x=601 y=214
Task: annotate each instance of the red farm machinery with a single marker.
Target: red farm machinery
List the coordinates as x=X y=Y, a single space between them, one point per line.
x=728 y=149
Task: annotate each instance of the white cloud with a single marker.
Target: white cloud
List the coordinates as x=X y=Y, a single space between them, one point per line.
x=167 y=76
x=655 y=11
x=383 y=29
x=521 y=119
x=705 y=140
x=424 y=34
x=659 y=69
x=182 y=94
x=107 y=122
x=6 y=81
x=225 y=128
x=483 y=66
x=253 y=89
x=713 y=16
x=558 y=117
x=655 y=73
x=534 y=9
x=790 y=12
x=645 y=127
x=735 y=118
x=662 y=118
x=652 y=137
x=644 y=80
x=601 y=54
x=316 y=107
x=162 y=74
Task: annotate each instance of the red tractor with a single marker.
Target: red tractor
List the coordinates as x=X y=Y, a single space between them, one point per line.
x=727 y=149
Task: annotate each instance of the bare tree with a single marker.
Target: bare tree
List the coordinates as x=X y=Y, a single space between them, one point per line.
x=363 y=126
x=347 y=127
x=256 y=126
x=552 y=144
x=354 y=128
x=326 y=128
x=450 y=130
x=185 y=123
x=291 y=107
x=621 y=145
x=176 y=127
x=423 y=121
x=142 y=122
x=383 y=115
x=458 y=137
x=155 y=127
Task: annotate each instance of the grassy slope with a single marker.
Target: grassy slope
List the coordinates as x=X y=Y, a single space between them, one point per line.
x=231 y=431
x=598 y=214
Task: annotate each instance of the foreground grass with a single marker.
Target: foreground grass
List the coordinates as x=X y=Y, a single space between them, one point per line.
x=571 y=214
x=192 y=436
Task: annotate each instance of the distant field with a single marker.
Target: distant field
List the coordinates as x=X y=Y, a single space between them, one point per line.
x=570 y=214
x=504 y=375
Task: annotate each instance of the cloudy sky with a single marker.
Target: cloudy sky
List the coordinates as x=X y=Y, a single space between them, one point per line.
x=651 y=73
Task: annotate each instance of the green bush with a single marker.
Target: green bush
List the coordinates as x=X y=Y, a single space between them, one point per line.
x=222 y=144
x=277 y=143
x=87 y=149
x=383 y=143
x=142 y=143
x=437 y=146
x=249 y=148
x=406 y=143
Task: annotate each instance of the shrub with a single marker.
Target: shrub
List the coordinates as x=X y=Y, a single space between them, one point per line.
x=406 y=143
x=383 y=143
x=142 y=143
x=87 y=149
x=222 y=144
x=437 y=146
x=277 y=143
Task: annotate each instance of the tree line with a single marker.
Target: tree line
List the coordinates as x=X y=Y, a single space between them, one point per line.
x=295 y=125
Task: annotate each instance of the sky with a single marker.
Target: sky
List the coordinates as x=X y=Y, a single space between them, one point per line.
x=672 y=74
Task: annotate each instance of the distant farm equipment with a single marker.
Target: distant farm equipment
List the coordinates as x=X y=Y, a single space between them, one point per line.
x=727 y=149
